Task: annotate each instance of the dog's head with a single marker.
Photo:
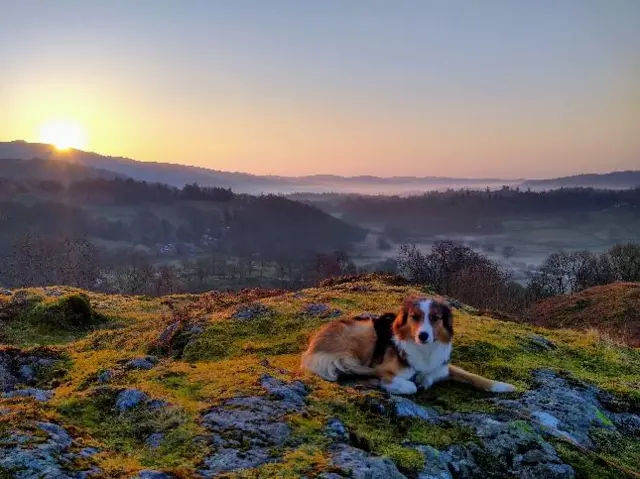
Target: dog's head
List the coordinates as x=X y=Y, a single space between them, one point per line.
x=424 y=321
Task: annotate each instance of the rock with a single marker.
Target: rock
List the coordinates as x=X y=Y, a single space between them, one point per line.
x=229 y=460
x=320 y=310
x=38 y=394
x=456 y=460
x=336 y=430
x=170 y=331
x=407 y=408
x=506 y=441
x=36 y=458
x=436 y=467
x=88 y=452
x=150 y=474
x=293 y=392
x=367 y=315
x=45 y=362
x=563 y=409
x=157 y=404
x=8 y=381
x=361 y=465
x=155 y=439
x=140 y=363
x=256 y=421
x=251 y=311
x=90 y=473
x=57 y=434
x=27 y=373
x=130 y=398
x=627 y=423
x=105 y=376
x=195 y=330
x=535 y=463
x=540 y=342
x=255 y=418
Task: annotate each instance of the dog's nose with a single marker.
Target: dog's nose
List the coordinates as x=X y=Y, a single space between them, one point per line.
x=423 y=336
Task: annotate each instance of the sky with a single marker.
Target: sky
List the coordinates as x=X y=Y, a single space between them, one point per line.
x=492 y=88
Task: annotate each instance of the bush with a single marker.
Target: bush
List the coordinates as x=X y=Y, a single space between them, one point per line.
x=72 y=311
x=456 y=270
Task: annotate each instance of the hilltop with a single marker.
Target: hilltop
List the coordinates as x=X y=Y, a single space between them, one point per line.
x=613 y=309
x=614 y=180
x=207 y=385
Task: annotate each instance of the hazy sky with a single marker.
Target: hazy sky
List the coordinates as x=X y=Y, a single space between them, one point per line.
x=471 y=88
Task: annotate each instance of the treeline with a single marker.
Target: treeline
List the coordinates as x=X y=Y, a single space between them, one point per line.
x=40 y=261
x=128 y=191
x=160 y=216
x=455 y=270
x=478 y=212
x=564 y=273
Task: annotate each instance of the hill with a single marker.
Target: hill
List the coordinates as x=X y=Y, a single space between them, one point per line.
x=213 y=234
x=172 y=174
x=614 y=180
x=180 y=175
x=613 y=309
x=208 y=386
x=47 y=170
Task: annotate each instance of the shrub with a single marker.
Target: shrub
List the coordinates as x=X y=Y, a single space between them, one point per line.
x=72 y=311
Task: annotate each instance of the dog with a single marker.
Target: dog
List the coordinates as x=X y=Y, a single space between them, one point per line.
x=406 y=351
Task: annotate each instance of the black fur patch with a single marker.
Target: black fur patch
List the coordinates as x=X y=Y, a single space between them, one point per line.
x=447 y=319
x=382 y=326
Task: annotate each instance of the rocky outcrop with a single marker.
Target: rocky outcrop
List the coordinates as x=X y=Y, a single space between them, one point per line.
x=26 y=454
x=256 y=421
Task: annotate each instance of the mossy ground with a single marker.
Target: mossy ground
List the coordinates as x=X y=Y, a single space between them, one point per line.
x=228 y=358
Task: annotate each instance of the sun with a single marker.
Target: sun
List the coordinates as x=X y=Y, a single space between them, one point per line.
x=64 y=134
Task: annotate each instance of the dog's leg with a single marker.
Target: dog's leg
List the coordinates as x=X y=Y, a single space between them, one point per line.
x=399 y=385
x=425 y=381
x=460 y=375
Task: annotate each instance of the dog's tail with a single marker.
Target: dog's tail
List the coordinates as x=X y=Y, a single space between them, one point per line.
x=331 y=365
x=460 y=375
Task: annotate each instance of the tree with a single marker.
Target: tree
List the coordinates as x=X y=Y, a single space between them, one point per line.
x=456 y=270
x=135 y=275
x=38 y=261
x=625 y=261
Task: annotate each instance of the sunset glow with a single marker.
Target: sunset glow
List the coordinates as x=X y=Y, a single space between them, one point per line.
x=406 y=88
x=64 y=134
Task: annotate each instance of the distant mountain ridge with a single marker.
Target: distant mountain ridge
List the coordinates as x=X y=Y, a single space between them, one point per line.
x=613 y=180
x=61 y=171
x=179 y=175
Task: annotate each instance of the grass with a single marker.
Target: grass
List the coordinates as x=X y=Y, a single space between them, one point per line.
x=42 y=320
x=229 y=357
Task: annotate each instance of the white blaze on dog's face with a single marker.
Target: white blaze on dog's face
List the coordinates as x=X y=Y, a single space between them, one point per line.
x=424 y=333
x=424 y=321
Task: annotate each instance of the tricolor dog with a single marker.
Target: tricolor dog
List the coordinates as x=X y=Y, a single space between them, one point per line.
x=405 y=351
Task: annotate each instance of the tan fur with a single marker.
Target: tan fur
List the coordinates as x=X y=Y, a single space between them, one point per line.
x=479 y=382
x=390 y=366
x=341 y=347
x=441 y=332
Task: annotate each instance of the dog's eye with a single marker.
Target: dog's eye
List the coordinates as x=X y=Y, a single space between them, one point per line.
x=416 y=317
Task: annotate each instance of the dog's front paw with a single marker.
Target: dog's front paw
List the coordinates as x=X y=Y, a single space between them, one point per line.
x=426 y=383
x=500 y=387
x=400 y=386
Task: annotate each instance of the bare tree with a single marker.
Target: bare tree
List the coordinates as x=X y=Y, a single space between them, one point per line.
x=38 y=261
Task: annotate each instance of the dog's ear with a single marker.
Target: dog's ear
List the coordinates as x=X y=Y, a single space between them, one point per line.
x=407 y=306
x=447 y=318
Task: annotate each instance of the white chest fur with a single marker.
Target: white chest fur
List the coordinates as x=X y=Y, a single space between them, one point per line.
x=430 y=361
